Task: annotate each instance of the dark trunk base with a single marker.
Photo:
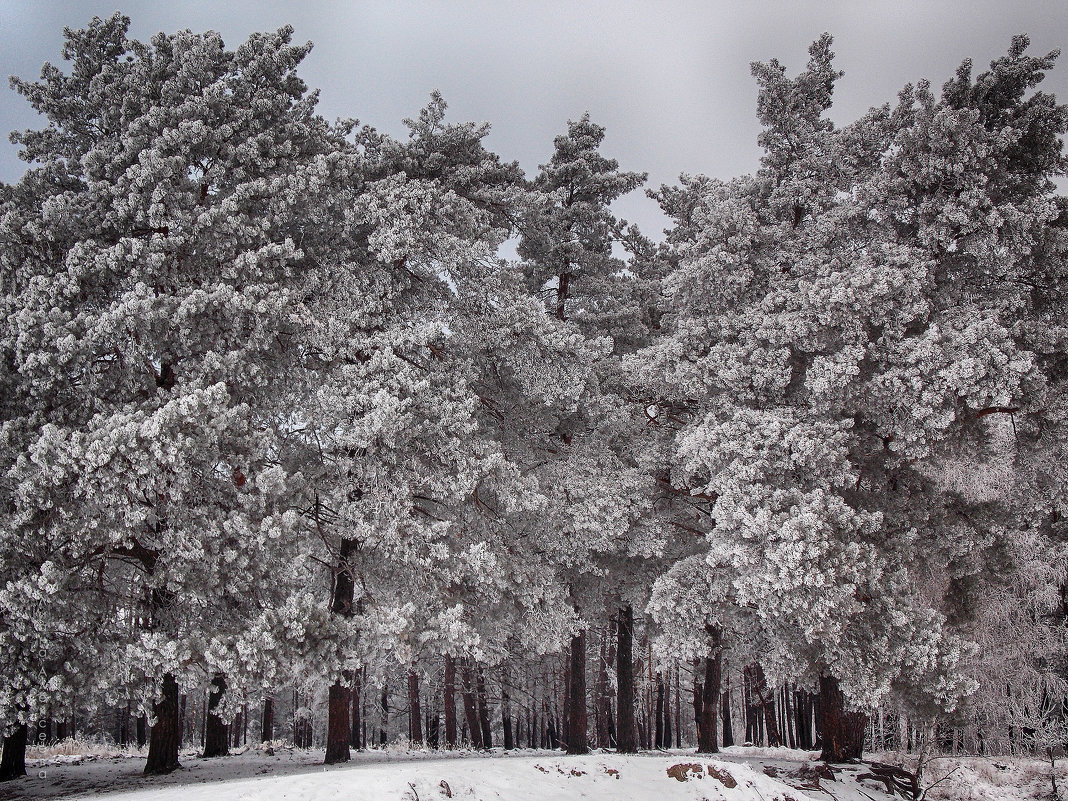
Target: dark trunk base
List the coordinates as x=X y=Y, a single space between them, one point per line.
x=842 y=731
x=577 y=738
x=216 y=733
x=13 y=760
x=710 y=701
x=163 y=741
x=338 y=730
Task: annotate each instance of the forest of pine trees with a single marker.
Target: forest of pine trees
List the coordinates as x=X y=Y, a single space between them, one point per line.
x=290 y=452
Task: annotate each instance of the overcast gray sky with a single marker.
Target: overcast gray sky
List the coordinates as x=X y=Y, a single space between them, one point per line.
x=669 y=80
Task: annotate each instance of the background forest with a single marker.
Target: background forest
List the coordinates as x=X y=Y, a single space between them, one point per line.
x=289 y=451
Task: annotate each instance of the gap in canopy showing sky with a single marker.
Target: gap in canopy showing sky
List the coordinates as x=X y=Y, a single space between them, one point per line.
x=670 y=81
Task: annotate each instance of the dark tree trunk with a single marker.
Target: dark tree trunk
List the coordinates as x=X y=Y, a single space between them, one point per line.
x=678 y=706
x=728 y=729
x=710 y=688
x=577 y=741
x=561 y=295
x=626 y=735
x=338 y=725
x=843 y=730
x=449 y=697
x=163 y=747
x=483 y=708
x=474 y=726
x=13 y=759
x=788 y=716
x=506 y=713
x=338 y=722
x=667 y=710
x=415 y=712
x=141 y=726
x=698 y=696
x=267 y=721
x=217 y=736
x=383 y=732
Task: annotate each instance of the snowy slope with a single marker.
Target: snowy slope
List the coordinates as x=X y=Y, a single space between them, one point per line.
x=737 y=775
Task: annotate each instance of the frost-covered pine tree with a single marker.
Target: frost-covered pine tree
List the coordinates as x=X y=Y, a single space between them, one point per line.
x=177 y=184
x=834 y=340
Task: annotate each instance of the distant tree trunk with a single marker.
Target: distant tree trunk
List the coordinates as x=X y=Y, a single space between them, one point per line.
x=577 y=741
x=217 y=736
x=626 y=736
x=415 y=712
x=450 y=701
x=678 y=706
x=338 y=723
x=667 y=710
x=474 y=726
x=267 y=721
x=483 y=708
x=355 y=730
x=602 y=707
x=658 y=738
x=698 y=696
x=13 y=759
x=383 y=732
x=163 y=747
x=433 y=730
x=181 y=718
x=706 y=741
x=506 y=712
x=788 y=713
x=843 y=731
x=141 y=733
x=728 y=728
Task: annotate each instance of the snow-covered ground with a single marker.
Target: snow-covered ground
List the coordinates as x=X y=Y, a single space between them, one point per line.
x=395 y=774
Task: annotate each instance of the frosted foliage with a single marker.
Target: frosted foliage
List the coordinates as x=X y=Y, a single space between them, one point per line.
x=842 y=335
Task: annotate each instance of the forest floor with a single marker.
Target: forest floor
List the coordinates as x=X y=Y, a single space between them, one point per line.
x=398 y=774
